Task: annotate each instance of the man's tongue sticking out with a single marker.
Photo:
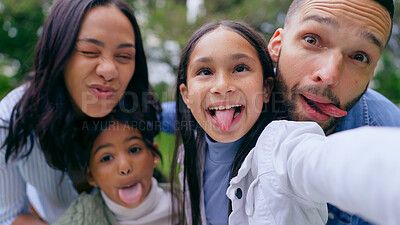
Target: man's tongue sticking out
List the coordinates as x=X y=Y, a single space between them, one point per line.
x=225 y=118
x=131 y=194
x=330 y=109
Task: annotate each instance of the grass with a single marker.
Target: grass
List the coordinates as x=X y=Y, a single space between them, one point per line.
x=166 y=145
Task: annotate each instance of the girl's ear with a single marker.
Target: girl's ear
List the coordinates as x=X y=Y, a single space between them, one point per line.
x=268 y=86
x=156 y=157
x=90 y=177
x=274 y=45
x=184 y=93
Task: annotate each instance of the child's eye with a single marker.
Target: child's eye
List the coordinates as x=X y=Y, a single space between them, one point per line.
x=205 y=72
x=134 y=149
x=241 y=68
x=106 y=158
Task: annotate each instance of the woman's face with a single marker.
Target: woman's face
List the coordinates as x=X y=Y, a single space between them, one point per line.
x=102 y=62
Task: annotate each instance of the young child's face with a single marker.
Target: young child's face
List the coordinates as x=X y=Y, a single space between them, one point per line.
x=122 y=165
x=225 y=87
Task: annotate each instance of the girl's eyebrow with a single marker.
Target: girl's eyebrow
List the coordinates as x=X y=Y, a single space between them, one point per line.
x=233 y=57
x=101 y=44
x=100 y=147
x=109 y=145
x=134 y=138
x=242 y=55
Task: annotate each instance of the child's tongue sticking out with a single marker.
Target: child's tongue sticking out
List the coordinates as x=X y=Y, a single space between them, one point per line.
x=225 y=118
x=131 y=194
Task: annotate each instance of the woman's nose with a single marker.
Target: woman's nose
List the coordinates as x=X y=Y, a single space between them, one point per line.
x=107 y=69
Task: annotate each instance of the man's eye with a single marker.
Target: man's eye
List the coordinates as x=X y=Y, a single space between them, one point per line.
x=205 y=72
x=106 y=158
x=311 y=40
x=134 y=149
x=361 y=57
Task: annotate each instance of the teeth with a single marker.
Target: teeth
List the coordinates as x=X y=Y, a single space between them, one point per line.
x=223 y=107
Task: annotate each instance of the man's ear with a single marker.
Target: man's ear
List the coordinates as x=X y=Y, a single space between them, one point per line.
x=268 y=86
x=184 y=93
x=274 y=45
x=90 y=177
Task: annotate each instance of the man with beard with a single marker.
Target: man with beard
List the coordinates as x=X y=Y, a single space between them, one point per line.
x=326 y=55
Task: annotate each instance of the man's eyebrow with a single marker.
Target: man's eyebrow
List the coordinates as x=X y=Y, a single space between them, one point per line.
x=332 y=22
x=370 y=36
x=91 y=40
x=321 y=19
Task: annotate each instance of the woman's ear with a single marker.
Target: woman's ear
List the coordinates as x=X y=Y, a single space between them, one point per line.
x=184 y=93
x=274 y=45
x=268 y=86
x=90 y=178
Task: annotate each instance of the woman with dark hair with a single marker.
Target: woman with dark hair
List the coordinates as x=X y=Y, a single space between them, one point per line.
x=89 y=61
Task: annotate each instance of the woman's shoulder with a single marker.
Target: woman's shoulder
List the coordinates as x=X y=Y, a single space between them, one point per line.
x=10 y=100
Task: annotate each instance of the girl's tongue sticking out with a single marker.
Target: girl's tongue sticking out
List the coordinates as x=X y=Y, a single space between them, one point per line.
x=130 y=194
x=225 y=118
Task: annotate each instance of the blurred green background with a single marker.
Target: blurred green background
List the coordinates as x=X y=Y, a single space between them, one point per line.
x=166 y=26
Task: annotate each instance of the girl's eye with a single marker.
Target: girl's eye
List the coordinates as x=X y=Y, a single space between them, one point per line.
x=134 y=149
x=241 y=68
x=361 y=57
x=106 y=158
x=205 y=72
x=312 y=40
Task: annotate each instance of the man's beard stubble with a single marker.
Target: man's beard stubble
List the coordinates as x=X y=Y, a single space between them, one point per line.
x=289 y=104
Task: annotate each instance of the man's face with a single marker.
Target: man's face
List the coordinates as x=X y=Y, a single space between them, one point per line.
x=326 y=56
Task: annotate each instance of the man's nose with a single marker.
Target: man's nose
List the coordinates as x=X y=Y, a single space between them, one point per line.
x=330 y=69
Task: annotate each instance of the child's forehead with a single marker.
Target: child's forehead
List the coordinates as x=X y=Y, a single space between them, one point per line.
x=219 y=41
x=116 y=128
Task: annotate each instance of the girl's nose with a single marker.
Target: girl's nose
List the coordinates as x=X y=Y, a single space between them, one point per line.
x=124 y=166
x=223 y=84
x=125 y=171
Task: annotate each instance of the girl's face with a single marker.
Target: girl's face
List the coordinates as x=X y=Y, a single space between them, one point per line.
x=122 y=165
x=225 y=88
x=102 y=63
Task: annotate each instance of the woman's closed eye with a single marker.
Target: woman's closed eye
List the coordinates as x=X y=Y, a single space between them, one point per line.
x=90 y=54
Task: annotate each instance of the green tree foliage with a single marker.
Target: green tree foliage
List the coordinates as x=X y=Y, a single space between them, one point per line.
x=164 y=22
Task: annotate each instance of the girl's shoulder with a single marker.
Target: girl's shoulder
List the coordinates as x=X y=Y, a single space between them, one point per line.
x=87 y=209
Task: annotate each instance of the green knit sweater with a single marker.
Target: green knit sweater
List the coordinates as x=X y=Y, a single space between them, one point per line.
x=88 y=209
